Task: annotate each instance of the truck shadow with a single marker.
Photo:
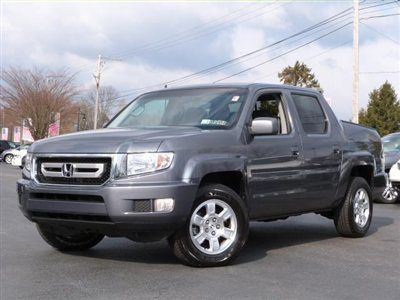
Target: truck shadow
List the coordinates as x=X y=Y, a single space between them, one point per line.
x=263 y=238
x=278 y=235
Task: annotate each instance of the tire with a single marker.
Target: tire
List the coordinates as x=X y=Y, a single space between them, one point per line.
x=227 y=228
x=8 y=158
x=389 y=196
x=353 y=217
x=77 y=242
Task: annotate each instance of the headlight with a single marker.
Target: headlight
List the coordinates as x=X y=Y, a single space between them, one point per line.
x=140 y=163
x=28 y=161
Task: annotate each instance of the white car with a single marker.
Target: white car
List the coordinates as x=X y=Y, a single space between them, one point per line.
x=392 y=192
x=18 y=158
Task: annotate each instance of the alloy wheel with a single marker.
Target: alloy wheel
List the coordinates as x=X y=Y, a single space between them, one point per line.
x=213 y=227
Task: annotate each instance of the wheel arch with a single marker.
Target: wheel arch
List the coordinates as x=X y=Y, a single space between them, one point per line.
x=218 y=169
x=355 y=164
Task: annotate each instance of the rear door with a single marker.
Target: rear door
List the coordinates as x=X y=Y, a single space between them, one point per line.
x=275 y=161
x=322 y=150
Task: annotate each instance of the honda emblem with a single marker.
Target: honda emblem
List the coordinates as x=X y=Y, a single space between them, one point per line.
x=67 y=170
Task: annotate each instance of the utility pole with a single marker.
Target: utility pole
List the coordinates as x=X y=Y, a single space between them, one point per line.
x=100 y=64
x=356 y=63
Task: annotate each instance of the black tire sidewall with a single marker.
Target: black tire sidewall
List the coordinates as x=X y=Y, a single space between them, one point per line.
x=381 y=199
x=224 y=194
x=356 y=184
x=5 y=158
x=62 y=243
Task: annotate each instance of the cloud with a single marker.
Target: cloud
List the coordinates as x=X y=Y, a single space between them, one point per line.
x=56 y=35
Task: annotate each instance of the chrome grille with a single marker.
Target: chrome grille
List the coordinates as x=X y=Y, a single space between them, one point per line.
x=73 y=170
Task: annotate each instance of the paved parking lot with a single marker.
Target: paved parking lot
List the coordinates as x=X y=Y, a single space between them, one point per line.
x=300 y=258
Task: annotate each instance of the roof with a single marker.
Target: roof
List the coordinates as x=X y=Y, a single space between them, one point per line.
x=392 y=134
x=254 y=86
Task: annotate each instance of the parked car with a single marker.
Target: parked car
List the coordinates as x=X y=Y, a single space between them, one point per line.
x=8 y=154
x=5 y=145
x=391 y=148
x=18 y=159
x=196 y=164
x=395 y=176
x=392 y=192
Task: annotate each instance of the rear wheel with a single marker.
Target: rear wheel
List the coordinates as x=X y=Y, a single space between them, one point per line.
x=72 y=242
x=389 y=196
x=8 y=158
x=353 y=217
x=216 y=230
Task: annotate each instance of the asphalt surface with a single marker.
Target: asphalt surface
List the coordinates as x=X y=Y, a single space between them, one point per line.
x=299 y=258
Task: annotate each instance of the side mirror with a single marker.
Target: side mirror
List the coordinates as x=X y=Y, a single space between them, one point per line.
x=264 y=126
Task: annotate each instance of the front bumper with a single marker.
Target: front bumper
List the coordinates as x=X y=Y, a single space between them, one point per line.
x=109 y=209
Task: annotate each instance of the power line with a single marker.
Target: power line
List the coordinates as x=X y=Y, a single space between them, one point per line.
x=207 y=70
x=292 y=50
x=380 y=16
x=178 y=40
x=313 y=57
x=195 y=28
x=321 y=23
x=174 y=41
x=378 y=5
x=380 y=72
x=287 y=52
x=380 y=33
x=186 y=33
x=261 y=54
x=170 y=42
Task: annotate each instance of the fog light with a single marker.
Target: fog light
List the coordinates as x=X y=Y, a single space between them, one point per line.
x=164 y=205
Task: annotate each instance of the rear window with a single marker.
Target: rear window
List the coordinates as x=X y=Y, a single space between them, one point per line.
x=311 y=115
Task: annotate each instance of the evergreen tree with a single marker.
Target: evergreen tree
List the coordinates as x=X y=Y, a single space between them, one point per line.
x=383 y=110
x=298 y=75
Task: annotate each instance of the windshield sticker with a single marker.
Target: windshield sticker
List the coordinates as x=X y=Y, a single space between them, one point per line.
x=235 y=98
x=214 y=122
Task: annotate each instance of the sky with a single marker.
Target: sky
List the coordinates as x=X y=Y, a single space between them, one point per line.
x=146 y=44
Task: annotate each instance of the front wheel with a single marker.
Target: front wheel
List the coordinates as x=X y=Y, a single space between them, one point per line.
x=216 y=230
x=353 y=217
x=8 y=158
x=71 y=242
x=389 y=196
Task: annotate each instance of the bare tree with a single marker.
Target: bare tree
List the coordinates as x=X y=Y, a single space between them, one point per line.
x=109 y=104
x=37 y=95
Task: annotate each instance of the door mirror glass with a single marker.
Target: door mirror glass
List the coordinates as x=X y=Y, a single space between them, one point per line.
x=264 y=126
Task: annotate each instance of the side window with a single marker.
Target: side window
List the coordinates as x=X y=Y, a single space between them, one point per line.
x=271 y=105
x=311 y=115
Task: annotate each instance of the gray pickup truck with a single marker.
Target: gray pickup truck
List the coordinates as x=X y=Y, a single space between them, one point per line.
x=196 y=164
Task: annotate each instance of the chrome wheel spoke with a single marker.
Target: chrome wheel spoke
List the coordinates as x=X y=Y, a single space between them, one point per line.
x=225 y=214
x=197 y=220
x=227 y=233
x=200 y=238
x=210 y=208
x=214 y=244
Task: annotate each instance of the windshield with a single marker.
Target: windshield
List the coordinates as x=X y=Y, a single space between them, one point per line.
x=12 y=145
x=391 y=143
x=211 y=108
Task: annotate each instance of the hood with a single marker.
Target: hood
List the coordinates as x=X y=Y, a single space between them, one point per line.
x=115 y=140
